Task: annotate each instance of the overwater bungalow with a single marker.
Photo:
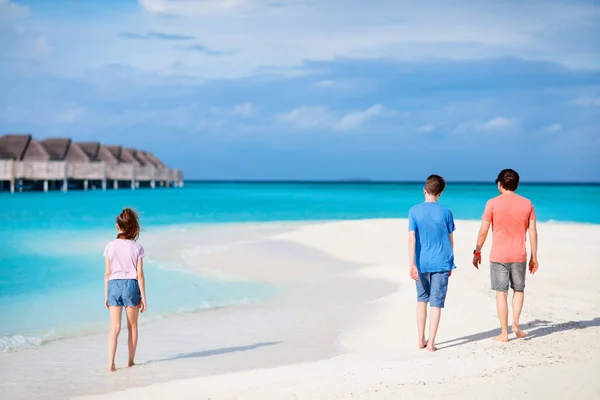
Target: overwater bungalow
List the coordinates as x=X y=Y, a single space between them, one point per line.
x=26 y=163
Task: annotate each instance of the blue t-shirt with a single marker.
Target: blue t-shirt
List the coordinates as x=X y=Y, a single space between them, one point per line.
x=432 y=224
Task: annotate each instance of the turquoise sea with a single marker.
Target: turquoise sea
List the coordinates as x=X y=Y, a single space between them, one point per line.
x=50 y=294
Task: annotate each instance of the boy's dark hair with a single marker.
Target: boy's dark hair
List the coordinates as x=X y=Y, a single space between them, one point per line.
x=508 y=179
x=435 y=185
x=129 y=225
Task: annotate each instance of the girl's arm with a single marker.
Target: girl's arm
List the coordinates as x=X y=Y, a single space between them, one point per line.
x=142 y=283
x=106 y=276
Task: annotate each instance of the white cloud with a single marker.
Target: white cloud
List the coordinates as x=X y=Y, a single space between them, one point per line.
x=587 y=102
x=498 y=123
x=244 y=110
x=426 y=128
x=42 y=46
x=494 y=124
x=260 y=33
x=11 y=10
x=357 y=118
x=306 y=117
x=193 y=8
x=71 y=116
x=553 y=128
x=325 y=83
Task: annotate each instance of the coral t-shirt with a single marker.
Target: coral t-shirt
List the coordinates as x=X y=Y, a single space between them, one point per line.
x=509 y=214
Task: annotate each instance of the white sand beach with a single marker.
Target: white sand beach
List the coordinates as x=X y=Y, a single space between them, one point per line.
x=342 y=325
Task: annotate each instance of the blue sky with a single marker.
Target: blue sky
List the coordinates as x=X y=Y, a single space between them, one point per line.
x=301 y=89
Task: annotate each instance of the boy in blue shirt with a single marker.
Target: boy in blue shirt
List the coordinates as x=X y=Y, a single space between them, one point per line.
x=431 y=256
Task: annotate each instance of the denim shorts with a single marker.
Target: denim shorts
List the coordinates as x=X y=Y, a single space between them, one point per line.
x=124 y=293
x=432 y=288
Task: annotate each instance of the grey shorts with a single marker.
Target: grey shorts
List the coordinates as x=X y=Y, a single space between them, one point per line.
x=505 y=273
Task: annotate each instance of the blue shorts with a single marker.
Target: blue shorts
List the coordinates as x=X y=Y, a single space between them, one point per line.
x=432 y=288
x=124 y=293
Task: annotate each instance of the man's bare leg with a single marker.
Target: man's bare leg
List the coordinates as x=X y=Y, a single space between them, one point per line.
x=502 y=307
x=517 y=304
x=421 y=321
x=434 y=322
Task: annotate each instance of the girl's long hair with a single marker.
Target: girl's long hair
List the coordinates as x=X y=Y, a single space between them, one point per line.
x=129 y=225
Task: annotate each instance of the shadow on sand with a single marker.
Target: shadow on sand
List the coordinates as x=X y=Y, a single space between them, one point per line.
x=215 y=352
x=540 y=329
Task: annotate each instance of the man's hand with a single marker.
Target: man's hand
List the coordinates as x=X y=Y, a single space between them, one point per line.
x=533 y=265
x=476 y=260
x=414 y=273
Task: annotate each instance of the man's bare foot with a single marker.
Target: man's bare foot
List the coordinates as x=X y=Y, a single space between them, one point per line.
x=518 y=332
x=422 y=343
x=501 y=338
x=112 y=368
x=431 y=348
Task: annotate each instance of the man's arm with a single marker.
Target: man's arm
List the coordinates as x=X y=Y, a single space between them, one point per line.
x=533 y=239
x=481 y=236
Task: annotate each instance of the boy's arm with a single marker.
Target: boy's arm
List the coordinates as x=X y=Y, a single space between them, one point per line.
x=412 y=266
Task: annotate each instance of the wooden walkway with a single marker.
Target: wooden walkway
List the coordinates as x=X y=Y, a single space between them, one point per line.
x=60 y=164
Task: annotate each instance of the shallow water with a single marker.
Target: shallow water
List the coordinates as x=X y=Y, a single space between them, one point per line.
x=51 y=267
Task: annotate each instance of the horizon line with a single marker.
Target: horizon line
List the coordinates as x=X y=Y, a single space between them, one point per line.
x=369 y=181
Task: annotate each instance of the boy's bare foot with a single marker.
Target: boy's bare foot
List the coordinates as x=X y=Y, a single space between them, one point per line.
x=431 y=348
x=112 y=368
x=518 y=332
x=422 y=343
x=502 y=338
x=130 y=363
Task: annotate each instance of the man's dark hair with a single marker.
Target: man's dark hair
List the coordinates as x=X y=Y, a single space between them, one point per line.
x=435 y=185
x=508 y=179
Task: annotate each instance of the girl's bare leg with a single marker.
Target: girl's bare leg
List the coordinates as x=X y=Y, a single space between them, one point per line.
x=132 y=328
x=113 y=335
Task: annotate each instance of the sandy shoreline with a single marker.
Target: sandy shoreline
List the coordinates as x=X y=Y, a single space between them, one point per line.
x=343 y=325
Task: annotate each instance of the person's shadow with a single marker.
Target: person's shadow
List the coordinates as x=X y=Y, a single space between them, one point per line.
x=542 y=328
x=214 y=352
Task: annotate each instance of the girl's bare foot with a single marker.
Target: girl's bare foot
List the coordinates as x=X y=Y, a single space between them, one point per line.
x=422 y=343
x=112 y=368
x=518 y=332
x=431 y=348
x=131 y=363
x=502 y=338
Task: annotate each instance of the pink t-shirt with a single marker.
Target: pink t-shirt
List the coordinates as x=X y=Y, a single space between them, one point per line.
x=509 y=214
x=123 y=255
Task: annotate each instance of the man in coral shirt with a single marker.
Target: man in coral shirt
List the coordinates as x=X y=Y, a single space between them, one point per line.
x=511 y=217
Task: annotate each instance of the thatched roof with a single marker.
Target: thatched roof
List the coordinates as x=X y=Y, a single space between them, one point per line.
x=91 y=149
x=77 y=154
x=35 y=152
x=140 y=155
x=157 y=163
x=57 y=148
x=128 y=157
x=14 y=146
x=105 y=154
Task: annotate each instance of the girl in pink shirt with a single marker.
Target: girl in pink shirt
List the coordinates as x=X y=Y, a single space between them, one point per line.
x=124 y=284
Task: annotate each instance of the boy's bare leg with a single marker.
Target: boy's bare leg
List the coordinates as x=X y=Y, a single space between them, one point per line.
x=517 y=304
x=421 y=321
x=434 y=323
x=113 y=335
x=502 y=307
